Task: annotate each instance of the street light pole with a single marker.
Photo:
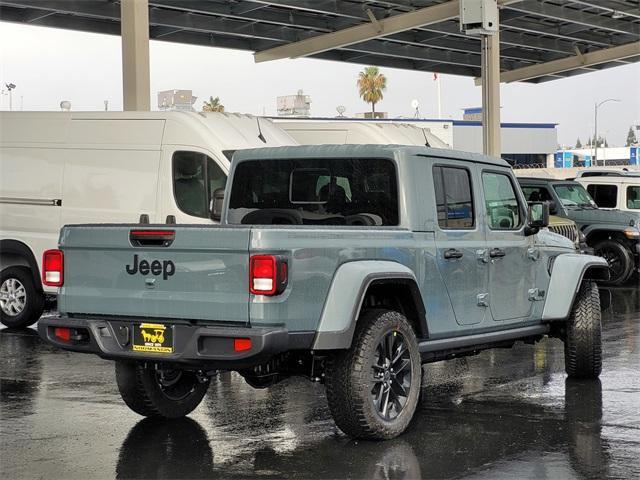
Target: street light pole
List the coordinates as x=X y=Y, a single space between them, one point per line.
x=595 y=137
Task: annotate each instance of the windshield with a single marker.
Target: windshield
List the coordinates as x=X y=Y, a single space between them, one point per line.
x=574 y=195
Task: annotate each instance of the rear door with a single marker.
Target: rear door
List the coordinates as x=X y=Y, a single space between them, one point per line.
x=511 y=253
x=460 y=241
x=190 y=272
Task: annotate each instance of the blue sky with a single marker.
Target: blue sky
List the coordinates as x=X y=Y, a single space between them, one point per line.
x=49 y=65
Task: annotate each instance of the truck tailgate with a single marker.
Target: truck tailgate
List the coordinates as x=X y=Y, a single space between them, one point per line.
x=198 y=273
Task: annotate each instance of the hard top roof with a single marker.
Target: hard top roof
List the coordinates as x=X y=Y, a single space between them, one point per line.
x=540 y=180
x=623 y=179
x=362 y=151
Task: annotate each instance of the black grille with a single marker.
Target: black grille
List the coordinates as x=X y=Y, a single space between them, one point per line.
x=569 y=231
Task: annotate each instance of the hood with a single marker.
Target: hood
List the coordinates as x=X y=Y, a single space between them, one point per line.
x=591 y=216
x=546 y=238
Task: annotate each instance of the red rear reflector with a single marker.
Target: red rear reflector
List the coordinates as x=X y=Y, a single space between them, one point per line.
x=241 y=344
x=62 y=333
x=53 y=268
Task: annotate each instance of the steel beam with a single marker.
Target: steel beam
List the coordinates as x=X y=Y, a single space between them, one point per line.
x=583 y=60
x=361 y=33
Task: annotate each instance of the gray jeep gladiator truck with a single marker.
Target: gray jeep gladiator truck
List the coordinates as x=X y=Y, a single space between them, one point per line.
x=350 y=265
x=613 y=234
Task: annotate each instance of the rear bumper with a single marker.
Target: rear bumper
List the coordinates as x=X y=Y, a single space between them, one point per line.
x=193 y=345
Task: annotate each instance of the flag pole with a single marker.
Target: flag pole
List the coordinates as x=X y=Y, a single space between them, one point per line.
x=436 y=77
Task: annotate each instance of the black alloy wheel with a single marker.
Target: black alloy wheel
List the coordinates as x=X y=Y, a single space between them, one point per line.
x=391 y=376
x=619 y=259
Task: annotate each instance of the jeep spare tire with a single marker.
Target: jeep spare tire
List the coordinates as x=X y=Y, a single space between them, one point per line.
x=373 y=387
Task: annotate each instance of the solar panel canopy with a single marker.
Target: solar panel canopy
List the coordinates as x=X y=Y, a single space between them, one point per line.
x=539 y=40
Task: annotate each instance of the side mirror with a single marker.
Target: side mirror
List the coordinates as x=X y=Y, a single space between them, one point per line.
x=553 y=207
x=216 y=204
x=538 y=217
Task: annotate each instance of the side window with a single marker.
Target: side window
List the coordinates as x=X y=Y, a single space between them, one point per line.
x=605 y=196
x=633 y=197
x=454 y=199
x=217 y=178
x=503 y=210
x=195 y=178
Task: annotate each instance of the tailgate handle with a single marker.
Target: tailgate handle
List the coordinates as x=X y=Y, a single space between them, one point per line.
x=151 y=238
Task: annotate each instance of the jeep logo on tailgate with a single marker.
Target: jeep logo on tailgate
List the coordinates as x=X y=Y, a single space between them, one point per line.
x=167 y=268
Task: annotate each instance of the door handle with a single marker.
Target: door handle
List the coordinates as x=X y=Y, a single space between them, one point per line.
x=497 y=253
x=452 y=253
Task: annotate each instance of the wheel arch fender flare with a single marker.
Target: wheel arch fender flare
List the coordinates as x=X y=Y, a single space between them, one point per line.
x=570 y=270
x=346 y=295
x=14 y=253
x=603 y=229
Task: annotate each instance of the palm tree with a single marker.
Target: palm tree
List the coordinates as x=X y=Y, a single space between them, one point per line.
x=213 y=105
x=371 y=84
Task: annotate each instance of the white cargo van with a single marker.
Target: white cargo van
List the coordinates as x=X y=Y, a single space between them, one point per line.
x=335 y=131
x=69 y=168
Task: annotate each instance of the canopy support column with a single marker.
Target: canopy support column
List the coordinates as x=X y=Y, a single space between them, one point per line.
x=135 y=55
x=491 y=94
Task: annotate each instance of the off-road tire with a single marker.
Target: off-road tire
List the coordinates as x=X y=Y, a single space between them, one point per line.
x=140 y=389
x=348 y=375
x=622 y=255
x=583 y=339
x=34 y=300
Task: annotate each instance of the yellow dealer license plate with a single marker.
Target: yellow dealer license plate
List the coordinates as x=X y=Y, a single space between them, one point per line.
x=152 y=337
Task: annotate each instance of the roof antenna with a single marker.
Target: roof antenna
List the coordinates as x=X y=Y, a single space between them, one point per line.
x=260 y=136
x=426 y=141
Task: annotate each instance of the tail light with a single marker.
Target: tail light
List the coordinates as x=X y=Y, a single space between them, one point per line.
x=267 y=274
x=53 y=268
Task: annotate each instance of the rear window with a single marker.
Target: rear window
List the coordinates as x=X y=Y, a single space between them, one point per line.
x=334 y=191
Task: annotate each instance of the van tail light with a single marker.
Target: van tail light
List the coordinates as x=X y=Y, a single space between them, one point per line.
x=268 y=274
x=53 y=268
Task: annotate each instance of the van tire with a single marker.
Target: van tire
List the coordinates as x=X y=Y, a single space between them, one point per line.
x=618 y=254
x=356 y=391
x=583 y=339
x=20 y=279
x=141 y=389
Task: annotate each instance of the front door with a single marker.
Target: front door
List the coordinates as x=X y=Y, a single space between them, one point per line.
x=512 y=255
x=460 y=242
x=190 y=178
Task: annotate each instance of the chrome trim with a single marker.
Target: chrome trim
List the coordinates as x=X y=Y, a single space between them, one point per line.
x=55 y=202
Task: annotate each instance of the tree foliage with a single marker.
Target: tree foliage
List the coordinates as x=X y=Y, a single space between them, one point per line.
x=578 y=143
x=371 y=85
x=631 y=138
x=213 y=105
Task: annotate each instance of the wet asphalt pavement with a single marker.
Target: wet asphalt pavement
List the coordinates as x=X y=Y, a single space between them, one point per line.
x=501 y=414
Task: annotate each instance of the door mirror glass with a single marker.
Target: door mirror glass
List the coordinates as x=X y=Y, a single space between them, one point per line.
x=216 y=204
x=538 y=215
